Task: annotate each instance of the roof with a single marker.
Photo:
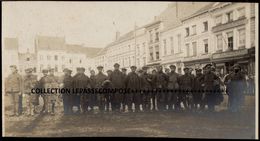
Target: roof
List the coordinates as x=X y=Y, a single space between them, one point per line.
x=50 y=42
x=11 y=43
x=88 y=51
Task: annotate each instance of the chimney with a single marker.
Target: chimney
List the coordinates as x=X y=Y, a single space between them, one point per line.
x=117 y=35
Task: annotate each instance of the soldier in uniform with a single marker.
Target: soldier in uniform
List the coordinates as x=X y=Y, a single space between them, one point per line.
x=30 y=81
x=92 y=98
x=51 y=82
x=237 y=87
x=81 y=81
x=14 y=88
x=117 y=79
x=67 y=97
x=133 y=83
x=107 y=84
x=100 y=78
x=209 y=79
x=173 y=87
x=198 y=89
x=124 y=71
x=41 y=85
x=161 y=84
x=186 y=84
x=146 y=80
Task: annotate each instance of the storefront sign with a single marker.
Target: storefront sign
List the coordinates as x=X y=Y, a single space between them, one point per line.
x=230 y=54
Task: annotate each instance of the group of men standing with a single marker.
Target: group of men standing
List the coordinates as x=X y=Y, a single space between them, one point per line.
x=156 y=91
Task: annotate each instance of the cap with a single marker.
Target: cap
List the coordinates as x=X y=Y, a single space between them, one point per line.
x=116 y=64
x=172 y=66
x=186 y=68
x=144 y=68
x=100 y=67
x=198 y=70
x=123 y=69
x=13 y=66
x=51 y=69
x=208 y=65
x=82 y=68
x=133 y=67
x=44 y=71
x=28 y=70
x=109 y=71
x=236 y=66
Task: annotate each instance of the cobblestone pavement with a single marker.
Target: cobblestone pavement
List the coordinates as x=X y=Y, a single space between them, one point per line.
x=156 y=124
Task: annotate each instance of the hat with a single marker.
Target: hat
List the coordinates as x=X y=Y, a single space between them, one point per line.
x=109 y=71
x=123 y=69
x=172 y=66
x=100 y=67
x=186 y=68
x=78 y=68
x=44 y=71
x=236 y=66
x=198 y=70
x=116 y=64
x=82 y=68
x=208 y=65
x=13 y=66
x=140 y=70
x=144 y=68
x=28 y=70
x=133 y=67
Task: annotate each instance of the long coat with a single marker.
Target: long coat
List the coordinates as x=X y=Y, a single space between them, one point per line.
x=14 y=83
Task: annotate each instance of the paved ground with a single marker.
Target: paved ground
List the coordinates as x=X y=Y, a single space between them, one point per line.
x=188 y=125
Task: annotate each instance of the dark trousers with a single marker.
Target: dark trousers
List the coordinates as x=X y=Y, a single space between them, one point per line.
x=153 y=96
x=67 y=105
x=116 y=99
x=146 y=101
x=20 y=109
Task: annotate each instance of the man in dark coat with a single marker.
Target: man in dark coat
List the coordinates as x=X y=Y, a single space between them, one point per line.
x=133 y=83
x=161 y=84
x=100 y=78
x=40 y=84
x=117 y=79
x=146 y=80
x=108 y=85
x=124 y=71
x=236 y=89
x=153 y=94
x=92 y=98
x=198 y=89
x=173 y=87
x=81 y=81
x=186 y=84
x=67 y=97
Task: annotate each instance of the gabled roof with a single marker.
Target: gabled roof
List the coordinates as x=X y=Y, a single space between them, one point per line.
x=11 y=43
x=88 y=51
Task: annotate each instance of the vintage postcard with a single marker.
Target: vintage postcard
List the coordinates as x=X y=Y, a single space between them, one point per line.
x=130 y=69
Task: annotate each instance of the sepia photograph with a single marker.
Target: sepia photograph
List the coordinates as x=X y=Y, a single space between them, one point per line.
x=175 y=69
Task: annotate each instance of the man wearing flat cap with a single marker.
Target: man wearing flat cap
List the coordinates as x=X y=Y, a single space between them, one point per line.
x=173 y=85
x=32 y=100
x=67 y=83
x=100 y=78
x=14 y=88
x=236 y=89
x=133 y=83
x=117 y=78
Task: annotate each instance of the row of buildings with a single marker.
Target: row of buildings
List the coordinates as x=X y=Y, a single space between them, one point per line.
x=49 y=52
x=189 y=34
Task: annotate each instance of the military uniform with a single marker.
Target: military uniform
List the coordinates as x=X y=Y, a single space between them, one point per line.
x=133 y=83
x=198 y=90
x=41 y=85
x=100 y=78
x=32 y=100
x=161 y=84
x=81 y=81
x=146 y=81
x=14 y=87
x=92 y=98
x=117 y=79
x=186 y=84
x=173 y=86
x=67 y=97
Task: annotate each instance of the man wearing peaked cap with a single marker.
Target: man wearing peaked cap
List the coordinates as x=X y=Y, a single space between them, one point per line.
x=65 y=70
x=28 y=70
x=116 y=65
x=133 y=67
x=172 y=66
x=144 y=68
x=100 y=67
x=124 y=69
x=185 y=68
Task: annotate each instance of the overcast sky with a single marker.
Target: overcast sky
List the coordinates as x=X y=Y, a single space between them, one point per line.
x=89 y=23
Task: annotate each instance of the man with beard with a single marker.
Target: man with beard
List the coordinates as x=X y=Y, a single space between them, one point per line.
x=117 y=79
x=133 y=83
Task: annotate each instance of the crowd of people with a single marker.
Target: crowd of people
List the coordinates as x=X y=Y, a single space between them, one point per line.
x=200 y=92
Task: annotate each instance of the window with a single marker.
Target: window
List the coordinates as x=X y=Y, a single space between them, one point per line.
x=242 y=37
x=28 y=59
x=194 y=48
x=56 y=68
x=219 y=42
x=206 y=46
x=143 y=48
x=48 y=57
x=188 y=49
x=241 y=12
x=193 y=29
x=151 y=56
x=80 y=61
x=218 y=20
x=157 y=55
x=56 y=57
x=138 y=63
x=156 y=36
x=229 y=17
x=151 y=36
x=230 y=40
x=179 y=43
x=187 y=31
x=129 y=47
x=205 y=25
x=164 y=47
x=70 y=61
x=172 y=47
